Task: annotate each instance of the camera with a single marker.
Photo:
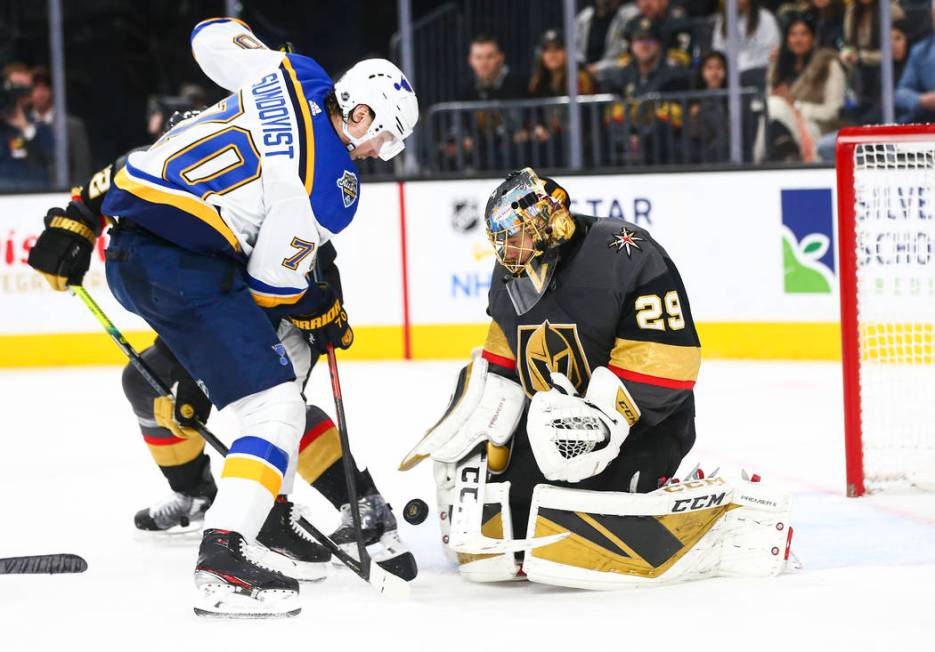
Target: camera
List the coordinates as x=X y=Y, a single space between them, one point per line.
x=10 y=95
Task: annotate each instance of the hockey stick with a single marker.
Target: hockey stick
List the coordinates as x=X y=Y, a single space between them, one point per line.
x=347 y=459
x=467 y=517
x=42 y=564
x=350 y=466
x=384 y=582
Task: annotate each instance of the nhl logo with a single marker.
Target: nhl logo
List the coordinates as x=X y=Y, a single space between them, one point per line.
x=464 y=215
x=348 y=185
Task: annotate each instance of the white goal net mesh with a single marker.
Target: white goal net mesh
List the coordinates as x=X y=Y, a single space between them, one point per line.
x=894 y=191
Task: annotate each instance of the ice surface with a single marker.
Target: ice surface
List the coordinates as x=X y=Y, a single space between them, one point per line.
x=73 y=470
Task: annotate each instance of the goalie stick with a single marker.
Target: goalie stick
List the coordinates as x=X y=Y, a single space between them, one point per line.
x=467 y=517
x=384 y=582
x=43 y=564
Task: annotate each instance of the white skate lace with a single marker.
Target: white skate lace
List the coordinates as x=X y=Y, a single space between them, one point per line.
x=247 y=551
x=298 y=529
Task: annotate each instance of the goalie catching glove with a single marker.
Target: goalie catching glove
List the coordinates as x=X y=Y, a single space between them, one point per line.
x=573 y=437
x=483 y=407
x=326 y=326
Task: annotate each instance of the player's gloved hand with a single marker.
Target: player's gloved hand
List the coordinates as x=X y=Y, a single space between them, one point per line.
x=179 y=414
x=62 y=254
x=327 y=326
x=575 y=437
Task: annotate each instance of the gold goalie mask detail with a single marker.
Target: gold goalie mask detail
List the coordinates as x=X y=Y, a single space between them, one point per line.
x=525 y=216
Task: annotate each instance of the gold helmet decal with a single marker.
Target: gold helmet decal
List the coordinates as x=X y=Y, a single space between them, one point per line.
x=526 y=215
x=545 y=348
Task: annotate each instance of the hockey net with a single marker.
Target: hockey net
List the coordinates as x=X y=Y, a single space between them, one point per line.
x=886 y=231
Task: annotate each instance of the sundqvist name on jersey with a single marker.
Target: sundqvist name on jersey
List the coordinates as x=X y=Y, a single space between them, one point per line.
x=274 y=116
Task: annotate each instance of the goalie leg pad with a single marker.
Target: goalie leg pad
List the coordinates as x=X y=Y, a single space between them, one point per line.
x=697 y=529
x=496 y=524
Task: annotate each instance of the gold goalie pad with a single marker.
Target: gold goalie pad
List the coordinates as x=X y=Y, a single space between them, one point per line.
x=699 y=528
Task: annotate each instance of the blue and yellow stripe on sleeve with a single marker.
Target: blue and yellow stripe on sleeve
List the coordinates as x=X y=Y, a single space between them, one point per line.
x=254 y=458
x=270 y=296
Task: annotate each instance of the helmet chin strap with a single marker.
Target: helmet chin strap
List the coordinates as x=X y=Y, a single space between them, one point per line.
x=352 y=145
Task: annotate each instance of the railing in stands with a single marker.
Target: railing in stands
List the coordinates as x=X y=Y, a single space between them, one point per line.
x=654 y=129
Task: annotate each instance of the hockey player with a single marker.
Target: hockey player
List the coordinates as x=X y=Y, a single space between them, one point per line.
x=222 y=218
x=580 y=401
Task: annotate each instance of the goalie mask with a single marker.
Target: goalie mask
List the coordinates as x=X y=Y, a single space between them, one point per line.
x=523 y=219
x=526 y=218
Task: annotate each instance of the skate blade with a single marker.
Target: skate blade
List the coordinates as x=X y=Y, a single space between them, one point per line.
x=215 y=600
x=303 y=571
x=193 y=527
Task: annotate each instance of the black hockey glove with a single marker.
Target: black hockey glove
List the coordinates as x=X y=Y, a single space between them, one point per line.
x=62 y=254
x=327 y=326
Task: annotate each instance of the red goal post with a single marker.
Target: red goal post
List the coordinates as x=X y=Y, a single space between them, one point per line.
x=886 y=244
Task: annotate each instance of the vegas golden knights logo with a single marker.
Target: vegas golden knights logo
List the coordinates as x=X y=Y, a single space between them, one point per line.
x=545 y=348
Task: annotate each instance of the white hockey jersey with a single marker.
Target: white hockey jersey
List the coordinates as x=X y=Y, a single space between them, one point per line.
x=262 y=175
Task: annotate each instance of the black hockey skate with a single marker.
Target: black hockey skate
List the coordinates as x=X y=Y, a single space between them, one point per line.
x=289 y=548
x=231 y=584
x=378 y=525
x=179 y=512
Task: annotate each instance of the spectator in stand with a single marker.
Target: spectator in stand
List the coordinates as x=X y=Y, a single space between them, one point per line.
x=861 y=51
x=674 y=25
x=807 y=86
x=548 y=77
x=549 y=80
x=649 y=123
x=599 y=33
x=25 y=147
x=491 y=80
x=648 y=71
x=708 y=121
x=871 y=112
x=829 y=22
x=915 y=94
x=828 y=16
x=43 y=113
x=759 y=38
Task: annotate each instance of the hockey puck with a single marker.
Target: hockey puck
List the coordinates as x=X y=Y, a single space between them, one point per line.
x=415 y=511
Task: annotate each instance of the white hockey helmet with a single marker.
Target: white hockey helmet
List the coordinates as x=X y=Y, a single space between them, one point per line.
x=383 y=87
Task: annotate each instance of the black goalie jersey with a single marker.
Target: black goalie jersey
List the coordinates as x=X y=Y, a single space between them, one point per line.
x=612 y=297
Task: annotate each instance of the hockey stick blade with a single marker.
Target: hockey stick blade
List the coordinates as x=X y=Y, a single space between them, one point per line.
x=475 y=543
x=43 y=564
x=387 y=584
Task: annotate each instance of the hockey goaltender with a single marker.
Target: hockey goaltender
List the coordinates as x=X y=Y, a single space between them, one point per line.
x=569 y=426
